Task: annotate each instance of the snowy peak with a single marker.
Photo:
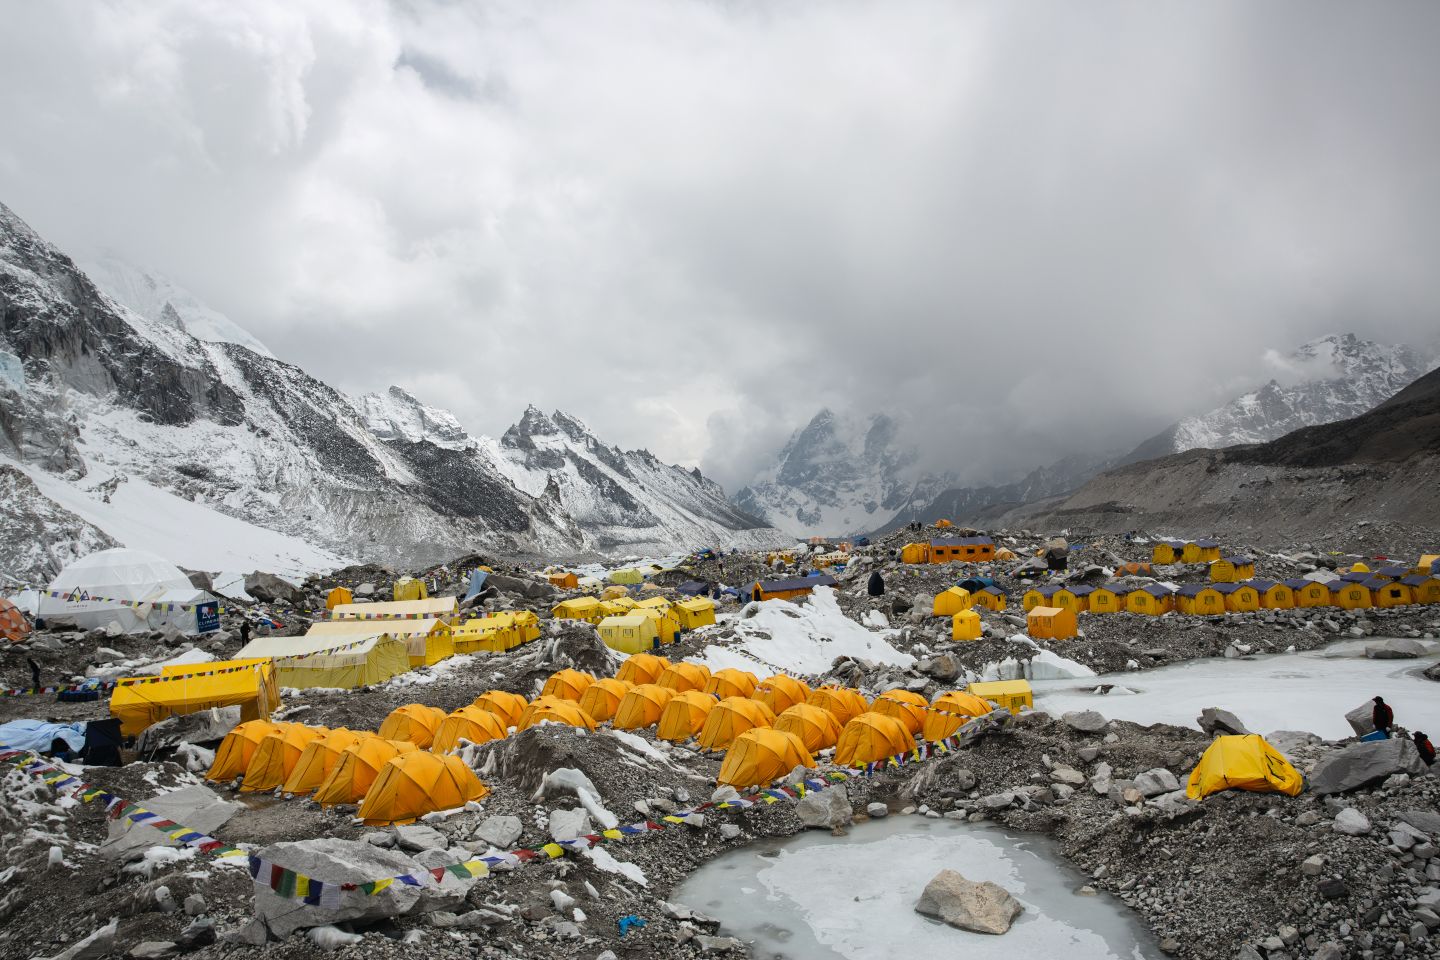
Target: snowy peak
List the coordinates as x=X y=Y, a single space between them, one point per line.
x=399 y=415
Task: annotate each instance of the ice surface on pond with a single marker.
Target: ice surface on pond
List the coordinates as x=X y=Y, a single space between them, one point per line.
x=1300 y=691
x=819 y=897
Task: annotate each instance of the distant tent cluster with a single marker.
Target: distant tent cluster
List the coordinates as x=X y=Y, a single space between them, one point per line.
x=633 y=627
x=950 y=550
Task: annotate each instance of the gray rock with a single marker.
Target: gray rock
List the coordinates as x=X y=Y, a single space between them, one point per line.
x=97 y=944
x=1067 y=775
x=1313 y=866
x=569 y=824
x=199 y=933
x=877 y=811
x=997 y=801
x=1425 y=851
x=1351 y=822
x=729 y=831
x=365 y=590
x=1174 y=804
x=378 y=838
x=1396 y=648
x=710 y=944
x=1424 y=820
x=1214 y=720
x=978 y=907
x=251 y=933
x=194 y=905
x=1363 y=763
x=1328 y=951
x=1085 y=721
x=153 y=950
x=268 y=588
x=825 y=809
x=1154 y=782
x=198 y=807
x=500 y=832
x=335 y=861
x=416 y=837
x=1359 y=719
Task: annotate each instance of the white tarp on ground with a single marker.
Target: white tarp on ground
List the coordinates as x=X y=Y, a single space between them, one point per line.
x=91 y=586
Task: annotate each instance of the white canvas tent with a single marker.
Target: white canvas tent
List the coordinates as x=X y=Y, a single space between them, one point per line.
x=138 y=590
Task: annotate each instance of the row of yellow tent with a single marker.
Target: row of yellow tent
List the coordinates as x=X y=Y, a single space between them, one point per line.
x=631 y=626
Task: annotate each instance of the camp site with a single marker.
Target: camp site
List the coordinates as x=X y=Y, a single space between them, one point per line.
x=695 y=480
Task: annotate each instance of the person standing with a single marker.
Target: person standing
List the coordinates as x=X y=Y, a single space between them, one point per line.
x=1382 y=716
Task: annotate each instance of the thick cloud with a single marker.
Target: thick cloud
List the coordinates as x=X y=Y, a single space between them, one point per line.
x=1031 y=227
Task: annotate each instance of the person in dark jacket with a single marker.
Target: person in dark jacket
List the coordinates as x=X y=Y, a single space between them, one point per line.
x=1426 y=748
x=1382 y=716
x=876 y=586
x=34 y=673
x=244 y=631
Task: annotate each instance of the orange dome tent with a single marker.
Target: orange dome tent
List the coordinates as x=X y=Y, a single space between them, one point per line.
x=357 y=768
x=468 y=723
x=816 y=727
x=731 y=683
x=238 y=748
x=13 y=625
x=845 y=703
x=730 y=718
x=275 y=757
x=951 y=711
x=641 y=668
x=505 y=705
x=555 y=710
x=567 y=685
x=642 y=706
x=908 y=707
x=781 y=692
x=684 y=715
x=762 y=755
x=870 y=737
x=319 y=758
x=415 y=784
x=414 y=722
x=685 y=676
x=602 y=698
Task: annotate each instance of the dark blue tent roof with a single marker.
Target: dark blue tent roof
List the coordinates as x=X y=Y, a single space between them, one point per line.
x=993 y=590
x=693 y=588
x=1238 y=559
x=1081 y=589
x=1262 y=585
x=1229 y=588
x=1157 y=590
x=1302 y=583
x=1393 y=572
x=1417 y=580
x=1192 y=589
x=797 y=583
x=962 y=542
x=1355 y=577
x=1207 y=544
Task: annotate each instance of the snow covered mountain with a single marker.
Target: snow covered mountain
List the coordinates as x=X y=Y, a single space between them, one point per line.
x=839 y=475
x=1328 y=379
x=215 y=454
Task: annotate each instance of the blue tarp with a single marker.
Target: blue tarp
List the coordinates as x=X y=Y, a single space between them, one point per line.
x=477 y=583
x=38 y=735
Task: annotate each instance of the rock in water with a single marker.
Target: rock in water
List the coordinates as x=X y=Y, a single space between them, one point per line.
x=826 y=809
x=1397 y=648
x=980 y=907
x=1215 y=720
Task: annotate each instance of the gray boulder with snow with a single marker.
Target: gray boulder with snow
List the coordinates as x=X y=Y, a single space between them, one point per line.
x=1363 y=763
x=268 y=588
x=1214 y=720
x=1085 y=721
x=979 y=907
x=825 y=809
x=198 y=807
x=1396 y=648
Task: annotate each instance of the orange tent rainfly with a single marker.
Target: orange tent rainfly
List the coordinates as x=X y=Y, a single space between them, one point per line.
x=238 y=748
x=951 y=711
x=845 y=703
x=275 y=757
x=642 y=706
x=319 y=758
x=602 y=698
x=685 y=676
x=731 y=683
x=567 y=685
x=642 y=668
x=358 y=766
x=762 y=755
x=468 y=723
x=816 y=727
x=415 y=784
x=908 y=707
x=781 y=692
x=505 y=705
x=870 y=737
x=684 y=715
x=555 y=710
x=414 y=722
x=730 y=718
x=13 y=625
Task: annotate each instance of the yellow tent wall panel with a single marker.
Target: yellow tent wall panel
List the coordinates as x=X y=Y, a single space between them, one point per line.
x=580 y=608
x=1010 y=694
x=370 y=663
x=965 y=625
x=667 y=628
x=338 y=596
x=564 y=580
x=1066 y=600
x=950 y=602
x=1426 y=564
x=695 y=613
x=1393 y=595
x=1051 y=623
x=423 y=609
x=990 y=601
x=1204 y=603
x=1244 y=600
x=1426 y=589
x=915 y=553
x=139 y=702
x=1312 y=595
x=408 y=588
x=1352 y=596
x=1277 y=597
x=1103 y=600
x=1163 y=553
x=1139 y=601
x=655 y=603
x=634 y=633
x=1032 y=599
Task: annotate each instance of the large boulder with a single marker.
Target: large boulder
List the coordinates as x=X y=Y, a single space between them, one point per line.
x=529 y=589
x=501 y=832
x=979 y=907
x=1214 y=720
x=1396 y=648
x=1360 y=719
x=825 y=809
x=334 y=861
x=1085 y=721
x=268 y=588
x=1364 y=763
x=197 y=807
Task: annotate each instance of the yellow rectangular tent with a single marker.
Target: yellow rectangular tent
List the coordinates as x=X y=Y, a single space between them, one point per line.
x=634 y=633
x=580 y=608
x=139 y=702
x=426 y=609
x=655 y=603
x=427 y=641
x=1010 y=694
x=694 y=613
x=666 y=626
x=301 y=664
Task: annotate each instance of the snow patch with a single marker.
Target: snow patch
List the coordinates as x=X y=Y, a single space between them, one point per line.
x=605 y=861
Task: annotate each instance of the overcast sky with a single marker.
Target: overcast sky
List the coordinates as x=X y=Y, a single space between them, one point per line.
x=1030 y=226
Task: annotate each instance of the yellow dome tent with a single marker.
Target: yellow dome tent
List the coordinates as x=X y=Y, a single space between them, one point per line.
x=1243 y=763
x=275 y=757
x=730 y=682
x=470 y=723
x=684 y=715
x=238 y=748
x=408 y=588
x=338 y=596
x=629 y=576
x=358 y=766
x=908 y=707
x=504 y=704
x=951 y=712
x=602 y=698
x=613 y=592
x=642 y=668
x=731 y=717
x=642 y=706
x=685 y=676
x=816 y=727
x=761 y=756
x=870 y=737
x=415 y=784
x=555 y=710
x=319 y=758
x=567 y=685
x=845 y=703
x=414 y=722
x=781 y=691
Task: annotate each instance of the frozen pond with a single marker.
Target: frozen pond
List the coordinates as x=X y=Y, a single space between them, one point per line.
x=1290 y=691
x=819 y=897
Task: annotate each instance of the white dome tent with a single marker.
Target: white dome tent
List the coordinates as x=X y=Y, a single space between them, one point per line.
x=134 y=588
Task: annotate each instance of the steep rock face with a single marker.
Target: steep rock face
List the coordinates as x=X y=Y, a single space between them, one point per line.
x=37 y=536
x=398 y=415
